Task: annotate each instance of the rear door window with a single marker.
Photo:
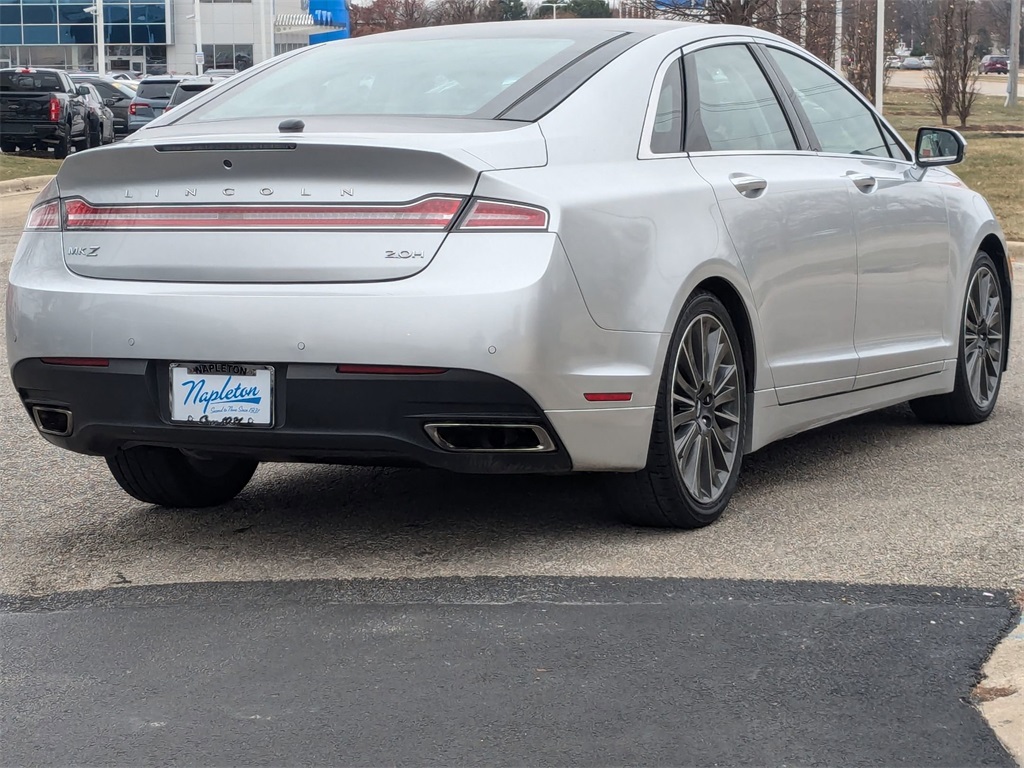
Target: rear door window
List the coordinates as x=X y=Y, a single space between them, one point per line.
x=736 y=109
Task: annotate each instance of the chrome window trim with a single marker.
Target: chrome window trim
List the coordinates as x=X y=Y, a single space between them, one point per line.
x=644 y=151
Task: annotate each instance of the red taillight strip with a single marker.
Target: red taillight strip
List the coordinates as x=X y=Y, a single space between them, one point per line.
x=94 y=362
x=432 y=213
x=390 y=370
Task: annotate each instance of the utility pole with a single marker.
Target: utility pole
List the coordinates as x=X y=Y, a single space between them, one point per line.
x=1014 y=72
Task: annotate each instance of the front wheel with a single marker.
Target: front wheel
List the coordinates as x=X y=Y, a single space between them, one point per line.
x=169 y=478
x=981 y=354
x=700 y=425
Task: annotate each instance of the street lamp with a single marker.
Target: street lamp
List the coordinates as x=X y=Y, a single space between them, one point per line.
x=101 y=47
x=200 y=58
x=554 y=8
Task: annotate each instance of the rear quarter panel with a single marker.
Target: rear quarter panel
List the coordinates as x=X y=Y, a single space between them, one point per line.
x=640 y=235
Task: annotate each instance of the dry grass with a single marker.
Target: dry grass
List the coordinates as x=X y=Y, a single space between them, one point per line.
x=20 y=166
x=994 y=165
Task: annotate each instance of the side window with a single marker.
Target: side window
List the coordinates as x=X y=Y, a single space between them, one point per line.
x=66 y=84
x=737 y=109
x=667 y=131
x=842 y=123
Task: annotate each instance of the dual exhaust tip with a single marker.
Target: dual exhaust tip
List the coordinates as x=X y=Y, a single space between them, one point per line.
x=491 y=438
x=52 y=421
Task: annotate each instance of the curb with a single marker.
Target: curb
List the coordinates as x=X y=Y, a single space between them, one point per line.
x=21 y=186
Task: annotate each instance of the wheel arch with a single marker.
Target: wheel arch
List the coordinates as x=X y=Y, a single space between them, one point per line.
x=730 y=297
x=993 y=246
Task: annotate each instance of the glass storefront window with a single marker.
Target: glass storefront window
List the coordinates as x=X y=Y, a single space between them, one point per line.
x=40 y=35
x=80 y=34
x=40 y=14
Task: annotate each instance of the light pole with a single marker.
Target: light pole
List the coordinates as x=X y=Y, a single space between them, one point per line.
x=554 y=8
x=1014 y=71
x=101 y=47
x=197 y=29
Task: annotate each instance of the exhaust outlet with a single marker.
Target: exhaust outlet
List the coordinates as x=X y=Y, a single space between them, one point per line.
x=491 y=438
x=52 y=421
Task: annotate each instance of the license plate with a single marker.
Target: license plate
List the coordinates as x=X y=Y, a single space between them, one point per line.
x=157 y=111
x=222 y=394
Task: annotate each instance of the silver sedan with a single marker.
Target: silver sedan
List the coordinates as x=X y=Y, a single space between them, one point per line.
x=640 y=248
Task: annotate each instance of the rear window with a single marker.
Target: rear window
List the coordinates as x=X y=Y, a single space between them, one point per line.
x=157 y=90
x=30 y=82
x=186 y=91
x=447 y=77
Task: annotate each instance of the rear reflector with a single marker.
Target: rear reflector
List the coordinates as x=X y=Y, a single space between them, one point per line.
x=390 y=370
x=45 y=216
x=608 y=397
x=432 y=213
x=491 y=214
x=93 y=362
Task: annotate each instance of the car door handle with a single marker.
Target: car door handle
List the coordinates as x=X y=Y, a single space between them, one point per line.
x=863 y=181
x=748 y=186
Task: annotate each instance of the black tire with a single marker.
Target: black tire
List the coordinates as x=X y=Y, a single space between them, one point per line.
x=94 y=140
x=61 y=149
x=168 y=478
x=961 y=406
x=8 y=149
x=657 y=495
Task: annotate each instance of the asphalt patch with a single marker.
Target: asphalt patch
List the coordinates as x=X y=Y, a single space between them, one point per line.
x=518 y=671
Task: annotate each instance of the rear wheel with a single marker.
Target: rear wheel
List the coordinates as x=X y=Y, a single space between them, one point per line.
x=8 y=148
x=169 y=478
x=60 y=149
x=94 y=139
x=700 y=425
x=979 y=367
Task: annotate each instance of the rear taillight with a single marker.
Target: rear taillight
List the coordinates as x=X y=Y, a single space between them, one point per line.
x=494 y=214
x=133 y=107
x=45 y=217
x=432 y=213
x=54 y=109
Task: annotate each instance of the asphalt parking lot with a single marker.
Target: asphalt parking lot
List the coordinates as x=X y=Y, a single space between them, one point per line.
x=880 y=518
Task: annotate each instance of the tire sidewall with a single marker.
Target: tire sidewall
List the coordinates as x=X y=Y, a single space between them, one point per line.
x=982 y=259
x=703 y=303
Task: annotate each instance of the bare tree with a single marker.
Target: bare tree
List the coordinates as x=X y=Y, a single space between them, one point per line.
x=953 y=79
x=387 y=15
x=859 y=44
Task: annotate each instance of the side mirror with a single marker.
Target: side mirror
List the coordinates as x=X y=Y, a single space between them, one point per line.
x=83 y=90
x=938 y=146
x=110 y=101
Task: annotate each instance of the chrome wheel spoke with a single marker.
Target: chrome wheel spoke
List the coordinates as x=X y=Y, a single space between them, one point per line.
x=982 y=337
x=705 y=408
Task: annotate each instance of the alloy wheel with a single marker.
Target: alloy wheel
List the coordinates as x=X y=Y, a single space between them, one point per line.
x=705 y=408
x=983 y=337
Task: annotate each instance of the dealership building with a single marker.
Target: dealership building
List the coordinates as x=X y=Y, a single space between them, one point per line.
x=163 y=36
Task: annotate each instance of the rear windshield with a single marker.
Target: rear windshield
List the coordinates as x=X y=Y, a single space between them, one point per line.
x=186 y=91
x=448 y=77
x=30 y=82
x=156 y=90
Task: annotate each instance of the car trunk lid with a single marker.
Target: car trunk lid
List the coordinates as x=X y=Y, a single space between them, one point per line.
x=268 y=208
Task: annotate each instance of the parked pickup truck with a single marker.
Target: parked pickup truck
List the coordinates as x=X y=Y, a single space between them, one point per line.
x=41 y=108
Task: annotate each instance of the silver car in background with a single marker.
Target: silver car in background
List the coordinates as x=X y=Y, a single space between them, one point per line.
x=640 y=248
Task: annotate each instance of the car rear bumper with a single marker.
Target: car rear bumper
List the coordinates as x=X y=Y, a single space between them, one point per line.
x=320 y=415
x=48 y=132
x=503 y=314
